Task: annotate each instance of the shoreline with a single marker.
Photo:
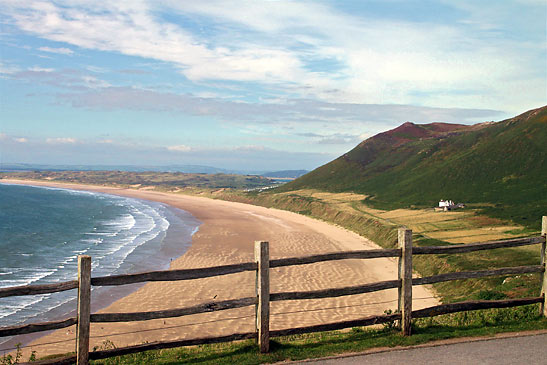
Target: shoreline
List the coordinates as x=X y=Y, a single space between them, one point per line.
x=226 y=236
x=150 y=256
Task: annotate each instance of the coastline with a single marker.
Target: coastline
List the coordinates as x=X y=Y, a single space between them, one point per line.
x=226 y=236
x=154 y=252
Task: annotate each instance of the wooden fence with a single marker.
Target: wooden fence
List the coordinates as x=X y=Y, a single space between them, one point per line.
x=261 y=301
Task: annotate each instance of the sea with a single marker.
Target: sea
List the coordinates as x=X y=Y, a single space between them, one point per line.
x=43 y=230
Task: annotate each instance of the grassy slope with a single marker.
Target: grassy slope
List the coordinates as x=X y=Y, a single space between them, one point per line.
x=503 y=164
x=384 y=233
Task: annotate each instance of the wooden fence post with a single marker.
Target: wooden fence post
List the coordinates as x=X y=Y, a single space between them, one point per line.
x=262 y=257
x=543 y=306
x=405 y=276
x=84 y=309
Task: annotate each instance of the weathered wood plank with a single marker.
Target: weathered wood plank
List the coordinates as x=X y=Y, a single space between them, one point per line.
x=337 y=292
x=470 y=247
x=364 y=254
x=37 y=289
x=36 y=327
x=84 y=309
x=543 y=262
x=478 y=274
x=103 y=354
x=173 y=275
x=371 y=320
x=262 y=257
x=201 y=308
x=367 y=321
x=405 y=276
x=473 y=305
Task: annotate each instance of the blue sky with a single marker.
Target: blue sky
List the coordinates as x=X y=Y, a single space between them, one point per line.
x=254 y=85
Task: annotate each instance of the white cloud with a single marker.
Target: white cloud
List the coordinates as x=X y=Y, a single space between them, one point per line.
x=94 y=82
x=179 y=148
x=91 y=25
x=41 y=69
x=21 y=140
x=387 y=61
x=8 y=69
x=61 y=140
x=249 y=148
x=90 y=152
x=96 y=69
x=60 y=50
x=379 y=60
x=275 y=112
x=65 y=78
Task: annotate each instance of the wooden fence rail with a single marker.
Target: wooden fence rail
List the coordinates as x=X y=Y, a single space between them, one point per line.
x=37 y=327
x=365 y=254
x=189 y=274
x=173 y=275
x=169 y=313
x=262 y=266
x=38 y=289
x=338 y=292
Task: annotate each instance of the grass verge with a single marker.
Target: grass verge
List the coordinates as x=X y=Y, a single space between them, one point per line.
x=465 y=324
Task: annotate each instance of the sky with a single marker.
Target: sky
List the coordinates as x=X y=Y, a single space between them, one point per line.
x=254 y=85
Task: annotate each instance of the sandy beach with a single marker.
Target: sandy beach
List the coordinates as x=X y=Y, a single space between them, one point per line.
x=227 y=236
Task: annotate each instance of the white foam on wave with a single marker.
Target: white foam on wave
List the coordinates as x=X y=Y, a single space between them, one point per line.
x=93 y=241
x=10 y=270
x=34 y=275
x=67 y=191
x=110 y=244
x=124 y=222
x=148 y=224
x=17 y=306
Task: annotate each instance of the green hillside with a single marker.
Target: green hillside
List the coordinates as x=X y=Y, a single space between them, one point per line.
x=501 y=166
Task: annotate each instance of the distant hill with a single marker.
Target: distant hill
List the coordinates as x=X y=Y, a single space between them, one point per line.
x=187 y=169
x=502 y=164
x=190 y=169
x=288 y=174
x=170 y=181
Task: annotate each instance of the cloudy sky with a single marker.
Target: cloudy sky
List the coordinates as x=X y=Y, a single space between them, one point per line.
x=254 y=85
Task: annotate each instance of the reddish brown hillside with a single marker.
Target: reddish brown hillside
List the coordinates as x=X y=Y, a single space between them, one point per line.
x=410 y=131
x=446 y=127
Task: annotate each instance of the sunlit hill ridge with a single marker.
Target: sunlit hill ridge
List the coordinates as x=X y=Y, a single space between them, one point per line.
x=499 y=166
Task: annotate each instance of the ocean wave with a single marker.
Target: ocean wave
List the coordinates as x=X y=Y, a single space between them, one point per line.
x=113 y=239
x=93 y=241
x=18 y=306
x=66 y=191
x=149 y=223
x=36 y=275
x=124 y=222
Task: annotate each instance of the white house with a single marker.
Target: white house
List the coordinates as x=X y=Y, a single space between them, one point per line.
x=445 y=203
